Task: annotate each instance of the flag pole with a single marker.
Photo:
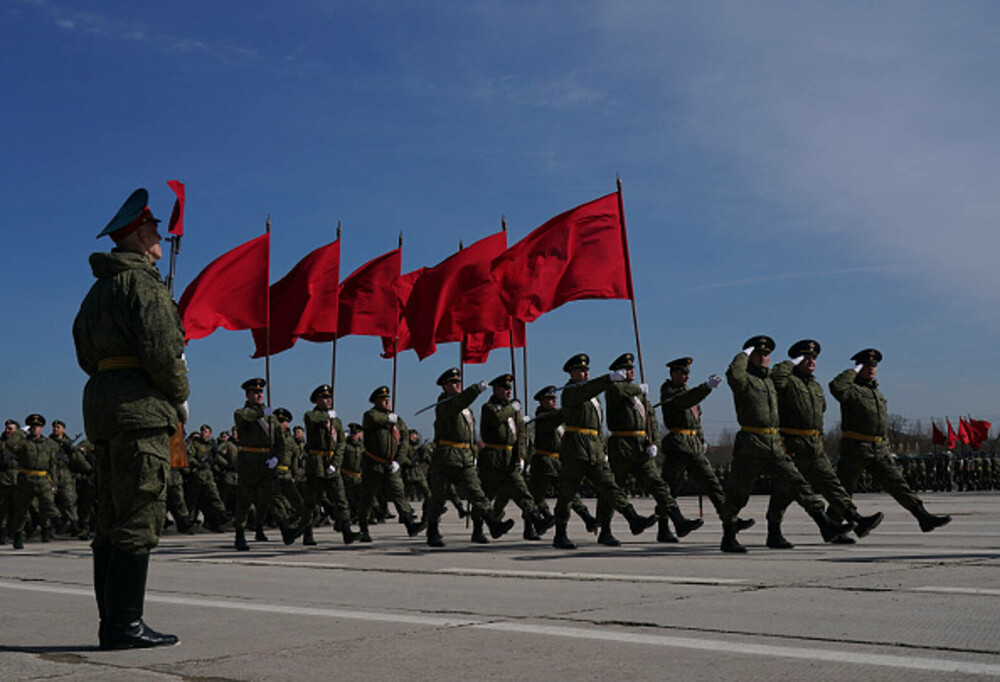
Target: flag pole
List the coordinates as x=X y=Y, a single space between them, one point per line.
x=461 y=345
x=267 y=316
x=519 y=432
x=395 y=338
x=333 y=361
x=175 y=248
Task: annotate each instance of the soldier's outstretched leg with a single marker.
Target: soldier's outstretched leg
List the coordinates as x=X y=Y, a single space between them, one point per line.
x=928 y=521
x=605 y=537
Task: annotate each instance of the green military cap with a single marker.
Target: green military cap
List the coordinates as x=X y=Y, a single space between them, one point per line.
x=282 y=415
x=578 y=361
x=545 y=392
x=204 y=426
x=680 y=364
x=354 y=427
x=323 y=391
x=133 y=213
x=868 y=356
x=762 y=343
x=448 y=376
x=804 y=347
x=503 y=381
x=255 y=384
x=414 y=432
x=623 y=361
x=223 y=433
x=378 y=394
x=34 y=419
x=12 y=422
x=59 y=422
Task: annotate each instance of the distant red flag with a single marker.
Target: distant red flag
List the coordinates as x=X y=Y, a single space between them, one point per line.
x=964 y=433
x=304 y=302
x=937 y=437
x=176 y=224
x=456 y=297
x=231 y=292
x=368 y=298
x=402 y=339
x=952 y=436
x=579 y=254
x=476 y=347
x=981 y=429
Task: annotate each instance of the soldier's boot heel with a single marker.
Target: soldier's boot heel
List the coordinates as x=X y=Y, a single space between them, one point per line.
x=18 y=540
x=683 y=525
x=863 y=525
x=928 y=521
x=497 y=527
x=561 y=540
x=638 y=524
x=240 y=542
x=434 y=538
x=478 y=536
x=349 y=535
x=829 y=528
x=529 y=530
x=775 y=540
x=588 y=520
x=289 y=534
x=365 y=535
x=729 y=541
x=125 y=594
x=46 y=533
x=743 y=524
x=606 y=538
x=307 y=537
x=413 y=527
x=663 y=532
x=542 y=521
x=259 y=536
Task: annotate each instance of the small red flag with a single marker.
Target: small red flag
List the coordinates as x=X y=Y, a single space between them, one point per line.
x=231 y=292
x=964 y=433
x=981 y=429
x=476 y=347
x=952 y=436
x=176 y=224
x=937 y=437
x=368 y=298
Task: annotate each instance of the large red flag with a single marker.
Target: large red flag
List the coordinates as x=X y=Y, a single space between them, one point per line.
x=176 y=224
x=937 y=437
x=304 y=302
x=981 y=429
x=952 y=436
x=457 y=297
x=476 y=347
x=368 y=298
x=231 y=292
x=964 y=433
x=576 y=255
x=402 y=340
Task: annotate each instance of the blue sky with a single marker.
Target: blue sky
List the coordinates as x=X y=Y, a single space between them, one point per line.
x=798 y=169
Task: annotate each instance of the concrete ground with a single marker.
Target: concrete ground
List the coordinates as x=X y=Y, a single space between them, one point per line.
x=900 y=604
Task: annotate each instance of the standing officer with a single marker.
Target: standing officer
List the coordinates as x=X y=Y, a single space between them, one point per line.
x=325 y=443
x=864 y=442
x=632 y=451
x=130 y=342
x=36 y=458
x=800 y=407
x=758 y=447
x=454 y=461
x=384 y=436
x=581 y=452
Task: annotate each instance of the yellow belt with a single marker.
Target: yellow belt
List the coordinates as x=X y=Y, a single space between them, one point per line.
x=762 y=430
x=377 y=458
x=352 y=474
x=247 y=448
x=33 y=472
x=800 y=432
x=629 y=434
x=453 y=444
x=854 y=435
x=494 y=446
x=580 y=429
x=119 y=362
x=553 y=455
x=281 y=467
x=321 y=452
x=684 y=432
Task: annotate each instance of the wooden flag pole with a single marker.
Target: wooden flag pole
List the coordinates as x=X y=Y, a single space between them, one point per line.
x=333 y=360
x=267 y=317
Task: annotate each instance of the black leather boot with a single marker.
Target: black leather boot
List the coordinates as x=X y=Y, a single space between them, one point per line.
x=605 y=537
x=561 y=540
x=125 y=594
x=663 y=532
x=928 y=521
x=259 y=536
x=828 y=528
x=588 y=520
x=363 y=527
x=681 y=524
x=863 y=525
x=307 y=537
x=412 y=525
x=729 y=541
x=637 y=524
x=46 y=534
x=541 y=521
x=289 y=533
x=241 y=541
x=102 y=561
x=349 y=535
x=434 y=538
x=18 y=540
x=478 y=536
x=497 y=527
x=529 y=530
x=743 y=524
x=775 y=540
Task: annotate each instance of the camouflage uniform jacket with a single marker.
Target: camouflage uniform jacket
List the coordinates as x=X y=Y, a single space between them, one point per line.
x=628 y=410
x=863 y=408
x=754 y=394
x=254 y=429
x=324 y=442
x=455 y=424
x=548 y=437
x=35 y=454
x=583 y=439
x=498 y=429
x=383 y=440
x=8 y=460
x=682 y=417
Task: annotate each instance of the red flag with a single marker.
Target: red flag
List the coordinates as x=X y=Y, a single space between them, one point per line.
x=936 y=436
x=231 y=292
x=457 y=297
x=403 y=339
x=303 y=302
x=368 y=298
x=952 y=436
x=576 y=255
x=176 y=224
x=964 y=433
x=476 y=347
x=981 y=429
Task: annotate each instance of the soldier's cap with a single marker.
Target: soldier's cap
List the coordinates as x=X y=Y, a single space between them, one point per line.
x=503 y=381
x=223 y=433
x=354 y=427
x=414 y=432
x=378 y=394
x=623 y=361
x=58 y=422
x=12 y=422
x=578 y=361
x=545 y=392
x=680 y=364
x=762 y=343
x=449 y=375
x=34 y=420
x=255 y=384
x=323 y=391
x=282 y=415
x=130 y=217
x=204 y=426
x=804 y=347
x=868 y=356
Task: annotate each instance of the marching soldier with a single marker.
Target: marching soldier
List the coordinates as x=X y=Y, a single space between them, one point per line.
x=202 y=493
x=8 y=478
x=453 y=461
x=68 y=462
x=581 y=453
x=758 y=447
x=864 y=442
x=415 y=475
x=36 y=458
x=226 y=455
x=350 y=470
x=287 y=490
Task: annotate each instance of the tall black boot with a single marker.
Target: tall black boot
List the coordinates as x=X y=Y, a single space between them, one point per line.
x=497 y=527
x=775 y=540
x=588 y=520
x=743 y=524
x=637 y=524
x=3 y=535
x=928 y=521
x=529 y=530
x=412 y=525
x=863 y=525
x=102 y=561
x=729 y=541
x=663 y=532
x=683 y=525
x=241 y=541
x=541 y=521
x=434 y=538
x=349 y=535
x=307 y=537
x=605 y=537
x=259 y=536
x=18 y=539
x=828 y=528
x=363 y=527
x=478 y=536
x=561 y=540
x=46 y=534
x=125 y=593
x=289 y=533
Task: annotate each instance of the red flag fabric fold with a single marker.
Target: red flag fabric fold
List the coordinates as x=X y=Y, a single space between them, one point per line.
x=937 y=437
x=952 y=436
x=981 y=429
x=579 y=254
x=476 y=347
x=176 y=224
x=304 y=302
x=402 y=340
x=964 y=433
x=368 y=298
x=231 y=292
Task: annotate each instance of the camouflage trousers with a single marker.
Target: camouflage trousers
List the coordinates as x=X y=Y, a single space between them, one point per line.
x=677 y=464
x=539 y=484
x=505 y=483
x=627 y=455
x=203 y=495
x=176 y=504
x=258 y=486
x=857 y=457
x=34 y=488
x=328 y=492
x=445 y=479
x=375 y=478
x=810 y=459
x=571 y=475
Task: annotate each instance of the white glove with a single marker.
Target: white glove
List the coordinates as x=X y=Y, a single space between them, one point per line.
x=331 y=469
x=748 y=351
x=644 y=388
x=651 y=451
x=183 y=412
x=332 y=414
x=526 y=418
x=268 y=411
x=184 y=360
x=393 y=417
x=482 y=386
x=797 y=360
x=617 y=375
x=273 y=462
x=516 y=404
x=714 y=381
x=521 y=464
x=857 y=367
x=393 y=466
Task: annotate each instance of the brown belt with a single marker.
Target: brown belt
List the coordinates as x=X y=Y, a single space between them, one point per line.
x=854 y=435
x=321 y=452
x=760 y=430
x=377 y=458
x=629 y=434
x=119 y=362
x=352 y=474
x=453 y=444
x=684 y=432
x=800 y=432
